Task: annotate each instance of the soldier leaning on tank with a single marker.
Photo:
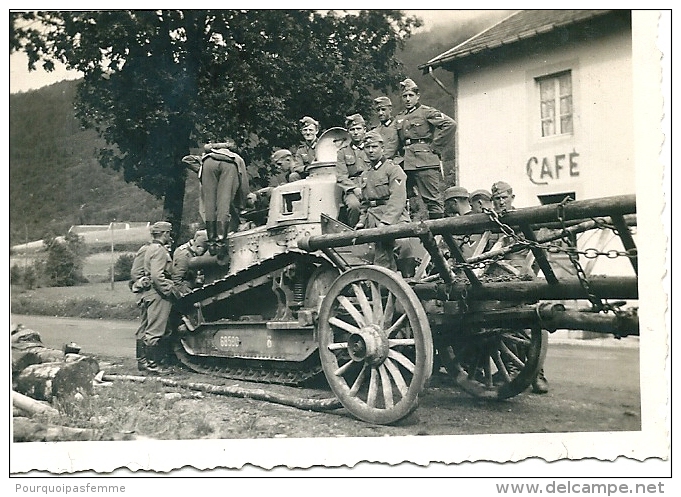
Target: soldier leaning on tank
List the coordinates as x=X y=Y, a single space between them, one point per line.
x=350 y=162
x=306 y=152
x=182 y=275
x=225 y=190
x=285 y=172
x=386 y=126
x=423 y=133
x=156 y=300
x=384 y=197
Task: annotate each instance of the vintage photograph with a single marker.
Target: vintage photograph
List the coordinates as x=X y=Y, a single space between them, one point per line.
x=324 y=238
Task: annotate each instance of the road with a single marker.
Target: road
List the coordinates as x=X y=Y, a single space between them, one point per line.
x=594 y=385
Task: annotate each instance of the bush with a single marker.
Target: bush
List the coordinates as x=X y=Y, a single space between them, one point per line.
x=64 y=265
x=122 y=267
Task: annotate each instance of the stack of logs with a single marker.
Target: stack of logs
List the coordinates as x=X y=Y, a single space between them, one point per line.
x=40 y=376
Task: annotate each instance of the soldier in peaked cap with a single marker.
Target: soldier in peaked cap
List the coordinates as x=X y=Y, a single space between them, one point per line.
x=306 y=152
x=386 y=126
x=423 y=134
x=156 y=300
x=502 y=197
x=350 y=162
x=384 y=197
x=480 y=199
x=456 y=201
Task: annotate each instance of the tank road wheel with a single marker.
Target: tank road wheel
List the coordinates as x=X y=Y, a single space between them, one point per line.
x=496 y=363
x=375 y=344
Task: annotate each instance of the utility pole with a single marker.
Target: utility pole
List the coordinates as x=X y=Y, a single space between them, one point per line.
x=112 y=253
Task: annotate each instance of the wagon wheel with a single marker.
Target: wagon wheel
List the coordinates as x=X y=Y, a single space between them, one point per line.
x=375 y=344
x=496 y=363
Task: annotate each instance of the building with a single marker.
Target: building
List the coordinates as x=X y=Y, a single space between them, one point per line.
x=544 y=101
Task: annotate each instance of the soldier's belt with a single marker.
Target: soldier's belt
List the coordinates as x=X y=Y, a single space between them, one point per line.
x=412 y=141
x=374 y=203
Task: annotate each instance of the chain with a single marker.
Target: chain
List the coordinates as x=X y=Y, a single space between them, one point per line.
x=596 y=302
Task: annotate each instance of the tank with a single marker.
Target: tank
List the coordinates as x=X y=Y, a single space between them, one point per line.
x=253 y=318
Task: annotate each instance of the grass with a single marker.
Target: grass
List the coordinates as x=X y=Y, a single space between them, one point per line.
x=92 y=301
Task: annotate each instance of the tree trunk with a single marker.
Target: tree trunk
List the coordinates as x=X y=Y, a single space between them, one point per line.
x=55 y=379
x=173 y=200
x=31 y=406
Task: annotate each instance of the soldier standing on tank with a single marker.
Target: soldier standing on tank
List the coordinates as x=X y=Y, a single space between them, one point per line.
x=350 y=162
x=156 y=300
x=306 y=152
x=225 y=190
x=386 y=126
x=384 y=197
x=423 y=133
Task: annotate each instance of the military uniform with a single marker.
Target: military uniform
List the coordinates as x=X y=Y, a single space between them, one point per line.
x=387 y=129
x=225 y=190
x=350 y=162
x=157 y=300
x=182 y=275
x=384 y=202
x=304 y=155
x=423 y=133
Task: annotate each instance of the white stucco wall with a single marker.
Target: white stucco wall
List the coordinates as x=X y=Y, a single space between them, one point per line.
x=498 y=123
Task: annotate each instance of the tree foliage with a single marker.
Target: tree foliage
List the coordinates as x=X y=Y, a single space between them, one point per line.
x=158 y=83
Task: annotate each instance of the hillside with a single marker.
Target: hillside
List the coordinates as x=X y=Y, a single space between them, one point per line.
x=56 y=180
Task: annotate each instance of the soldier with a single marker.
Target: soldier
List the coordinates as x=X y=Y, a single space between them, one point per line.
x=225 y=191
x=480 y=200
x=183 y=277
x=156 y=301
x=423 y=133
x=384 y=197
x=502 y=197
x=456 y=201
x=306 y=153
x=193 y=163
x=350 y=162
x=287 y=169
x=502 y=200
x=386 y=126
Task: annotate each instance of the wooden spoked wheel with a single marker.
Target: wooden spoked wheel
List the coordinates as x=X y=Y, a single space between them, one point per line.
x=495 y=363
x=375 y=344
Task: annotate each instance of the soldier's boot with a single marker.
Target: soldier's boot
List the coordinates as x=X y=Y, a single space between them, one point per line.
x=222 y=245
x=140 y=353
x=154 y=358
x=540 y=383
x=211 y=232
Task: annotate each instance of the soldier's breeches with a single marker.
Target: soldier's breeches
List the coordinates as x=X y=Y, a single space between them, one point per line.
x=353 y=206
x=384 y=254
x=429 y=185
x=157 y=313
x=219 y=185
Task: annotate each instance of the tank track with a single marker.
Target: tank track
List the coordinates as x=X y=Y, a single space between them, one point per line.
x=292 y=374
x=277 y=372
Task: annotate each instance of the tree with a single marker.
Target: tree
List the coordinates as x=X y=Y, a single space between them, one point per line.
x=157 y=83
x=64 y=265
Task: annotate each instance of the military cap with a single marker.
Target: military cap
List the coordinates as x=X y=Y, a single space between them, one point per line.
x=456 y=192
x=308 y=120
x=481 y=193
x=161 y=227
x=408 y=84
x=200 y=238
x=353 y=120
x=280 y=154
x=228 y=143
x=382 y=101
x=501 y=187
x=373 y=136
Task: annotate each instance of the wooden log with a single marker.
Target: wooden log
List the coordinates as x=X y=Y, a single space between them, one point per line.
x=27 y=430
x=232 y=391
x=31 y=406
x=55 y=379
x=25 y=354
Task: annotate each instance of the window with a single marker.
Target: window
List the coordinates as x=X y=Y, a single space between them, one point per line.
x=555 y=95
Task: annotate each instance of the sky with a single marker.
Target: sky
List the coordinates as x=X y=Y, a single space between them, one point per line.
x=22 y=80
